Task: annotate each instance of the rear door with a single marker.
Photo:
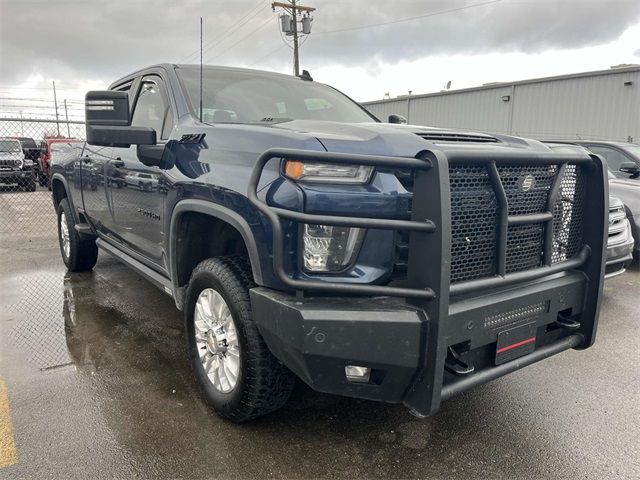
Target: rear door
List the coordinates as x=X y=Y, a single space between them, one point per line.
x=138 y=205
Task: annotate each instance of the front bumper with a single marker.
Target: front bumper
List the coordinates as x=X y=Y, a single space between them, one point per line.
x=15 y=176
x=619 y=254
x=318 y=337
x=436 y=338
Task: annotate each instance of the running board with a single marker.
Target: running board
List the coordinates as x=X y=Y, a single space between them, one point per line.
x=84 y=229
x=160 y=281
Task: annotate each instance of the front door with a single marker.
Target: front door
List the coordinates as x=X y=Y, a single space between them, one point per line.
x=138 y=205
x=89 y=171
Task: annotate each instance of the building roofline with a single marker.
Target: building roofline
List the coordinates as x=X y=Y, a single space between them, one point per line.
x=496 y=85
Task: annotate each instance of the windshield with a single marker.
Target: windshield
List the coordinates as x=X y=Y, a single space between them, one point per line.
x=27 y=142
x=10 y=146
x=256 y=97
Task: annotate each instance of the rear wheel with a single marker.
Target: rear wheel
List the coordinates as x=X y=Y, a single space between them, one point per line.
x=240 y=377
x=78 y=253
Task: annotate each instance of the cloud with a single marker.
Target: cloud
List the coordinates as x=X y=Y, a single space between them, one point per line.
x=498 y=27
x=77 y=42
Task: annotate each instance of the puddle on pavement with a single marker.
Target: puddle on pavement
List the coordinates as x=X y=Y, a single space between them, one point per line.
x=61 y=319
x=37 y=302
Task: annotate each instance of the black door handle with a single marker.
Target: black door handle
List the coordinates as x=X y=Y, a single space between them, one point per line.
x=86 y=160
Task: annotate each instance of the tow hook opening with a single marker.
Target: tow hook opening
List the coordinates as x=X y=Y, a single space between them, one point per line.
x=454 y=363
x=564 y=320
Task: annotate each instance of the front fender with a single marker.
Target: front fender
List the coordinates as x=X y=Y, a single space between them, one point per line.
x=219 y=212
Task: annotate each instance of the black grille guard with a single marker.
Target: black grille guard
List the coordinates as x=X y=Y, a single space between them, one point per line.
x=428 y=284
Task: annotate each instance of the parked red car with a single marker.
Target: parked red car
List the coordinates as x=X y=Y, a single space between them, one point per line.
x=45 y=157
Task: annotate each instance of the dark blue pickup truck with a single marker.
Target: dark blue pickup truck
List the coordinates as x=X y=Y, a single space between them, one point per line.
x=304 y=238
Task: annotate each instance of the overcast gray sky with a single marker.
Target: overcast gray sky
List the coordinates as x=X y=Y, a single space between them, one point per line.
x=363 y=47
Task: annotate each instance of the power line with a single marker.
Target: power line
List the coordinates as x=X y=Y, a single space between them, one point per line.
x=224 y=35
x=39 y=100
x=408 y=19
x=260 y=27
x=280 y=47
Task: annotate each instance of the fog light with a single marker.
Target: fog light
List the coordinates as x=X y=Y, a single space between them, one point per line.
x=329 y=249
x=358 y=374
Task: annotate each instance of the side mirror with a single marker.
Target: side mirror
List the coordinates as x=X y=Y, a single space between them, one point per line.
x=631 y=168
x=162 y=156
x=397 y=119
x=108 y=122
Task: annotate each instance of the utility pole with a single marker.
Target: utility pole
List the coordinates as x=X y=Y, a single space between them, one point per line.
x=55 y=102
x=296 y=57
x=200 y=109
x=66 y=115
x=289 y=26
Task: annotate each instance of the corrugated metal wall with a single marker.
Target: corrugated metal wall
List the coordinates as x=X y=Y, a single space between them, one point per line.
x=592 y=105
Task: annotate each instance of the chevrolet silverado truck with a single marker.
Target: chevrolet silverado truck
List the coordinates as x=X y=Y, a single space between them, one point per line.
x=303 y=238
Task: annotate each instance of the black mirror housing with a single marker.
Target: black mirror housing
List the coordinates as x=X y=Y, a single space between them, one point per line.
x=105 y=107
x=121 y=137
x=631 y=168
x=151 y=155
x=397 y=119
x=108 y=122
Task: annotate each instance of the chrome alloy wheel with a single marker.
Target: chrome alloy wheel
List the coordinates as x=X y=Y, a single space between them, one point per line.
x=64 y=234
x=217 y=340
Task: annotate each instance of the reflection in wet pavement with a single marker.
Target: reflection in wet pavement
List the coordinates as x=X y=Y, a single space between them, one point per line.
x=99 y=384
x=39 y=331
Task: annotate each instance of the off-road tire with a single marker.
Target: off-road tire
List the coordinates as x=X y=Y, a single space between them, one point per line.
x=264 y=384
x=83 y=252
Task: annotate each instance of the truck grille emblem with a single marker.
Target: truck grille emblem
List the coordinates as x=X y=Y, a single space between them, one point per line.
x=527 y=182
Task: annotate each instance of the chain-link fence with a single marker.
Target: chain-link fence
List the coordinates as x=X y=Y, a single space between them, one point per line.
x=32 y=283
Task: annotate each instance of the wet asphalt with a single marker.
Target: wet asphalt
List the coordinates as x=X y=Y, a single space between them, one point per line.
x=99 y=386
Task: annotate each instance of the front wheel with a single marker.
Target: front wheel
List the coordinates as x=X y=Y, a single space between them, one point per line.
x=240 y=377
x=78 y=254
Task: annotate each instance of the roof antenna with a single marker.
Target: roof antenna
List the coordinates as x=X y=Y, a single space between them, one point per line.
x=200 y=69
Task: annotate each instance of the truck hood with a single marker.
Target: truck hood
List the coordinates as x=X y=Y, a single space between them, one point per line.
x=398 y=140
x=11 y=155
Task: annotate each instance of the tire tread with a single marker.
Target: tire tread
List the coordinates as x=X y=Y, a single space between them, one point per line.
x=267 y=383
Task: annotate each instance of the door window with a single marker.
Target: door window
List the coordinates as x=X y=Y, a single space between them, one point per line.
x=613 y=157
x=152 y=108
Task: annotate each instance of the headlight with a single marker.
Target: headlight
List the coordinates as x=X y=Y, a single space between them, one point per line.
x=326 y=172
x=329 y=249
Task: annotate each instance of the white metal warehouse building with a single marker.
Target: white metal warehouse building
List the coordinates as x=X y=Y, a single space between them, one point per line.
x=592 y=105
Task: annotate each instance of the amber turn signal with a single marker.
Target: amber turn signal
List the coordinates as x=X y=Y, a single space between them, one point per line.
x=294 y=169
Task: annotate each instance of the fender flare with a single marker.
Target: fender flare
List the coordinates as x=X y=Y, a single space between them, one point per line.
x=65 y=184
x=218 y=212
